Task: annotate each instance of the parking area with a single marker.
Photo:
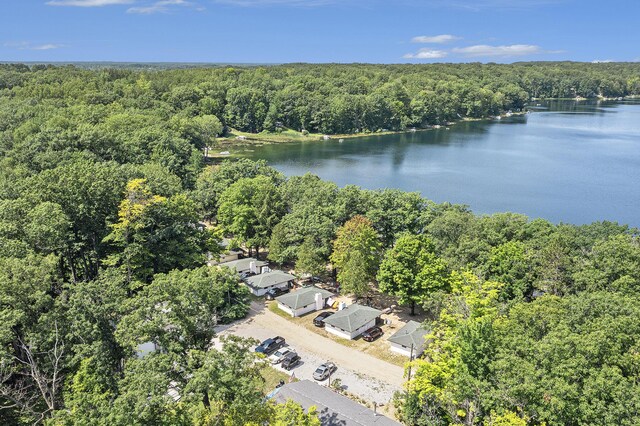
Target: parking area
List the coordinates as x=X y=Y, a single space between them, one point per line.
x=368 y=377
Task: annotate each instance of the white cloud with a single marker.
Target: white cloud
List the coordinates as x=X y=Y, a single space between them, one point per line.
x=247 y=3
x=162 y=6
x=48 y=46
x=439 y=39
x=25 y=45
x=87 y=3
x=510 y=50
x=601 y=61
x=426 y=54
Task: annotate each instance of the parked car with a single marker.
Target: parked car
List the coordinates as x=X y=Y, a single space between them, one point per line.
x=275 y=292
x=290 y=360
x=319 y=320
x=324 y=370
x=271 y=345
x=372 y=334
x=277 y=356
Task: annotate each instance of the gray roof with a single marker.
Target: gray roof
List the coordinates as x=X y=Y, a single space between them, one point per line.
x=225 y=243
x=413 y=333
x=303 y=297
x=333 y=409
x=352 y=317
x=241 y=265
x=269 y=278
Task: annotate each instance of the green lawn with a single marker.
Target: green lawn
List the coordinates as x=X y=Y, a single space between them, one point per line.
x=272 y=377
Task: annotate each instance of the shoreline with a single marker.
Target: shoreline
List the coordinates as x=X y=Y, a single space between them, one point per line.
x=291 y=136
x=244 y=140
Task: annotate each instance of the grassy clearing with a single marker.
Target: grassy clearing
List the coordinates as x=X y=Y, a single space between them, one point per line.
x=286 y=135
x=272 y=377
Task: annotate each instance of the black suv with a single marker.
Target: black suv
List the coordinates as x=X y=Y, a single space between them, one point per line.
x=275 y=292
x=319 y=320
x=271 y=345
x=290 y=360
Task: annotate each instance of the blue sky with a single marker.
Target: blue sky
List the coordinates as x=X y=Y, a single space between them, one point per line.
x=276 y=31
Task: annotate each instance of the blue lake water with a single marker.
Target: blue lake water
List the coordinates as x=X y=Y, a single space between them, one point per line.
x=574 y=162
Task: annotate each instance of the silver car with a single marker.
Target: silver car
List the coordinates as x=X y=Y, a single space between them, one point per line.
x=276 y=358
x=324 y=370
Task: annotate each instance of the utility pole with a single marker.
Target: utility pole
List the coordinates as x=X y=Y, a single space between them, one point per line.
x=410 y=359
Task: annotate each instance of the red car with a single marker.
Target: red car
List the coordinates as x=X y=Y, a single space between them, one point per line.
x=372 y=334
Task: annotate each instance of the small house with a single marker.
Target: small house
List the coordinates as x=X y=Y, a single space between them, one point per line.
x=261 y=283
x=409 y=340
x=303 y=301
x=228 y=254
x=247 y=266
x=352 y=321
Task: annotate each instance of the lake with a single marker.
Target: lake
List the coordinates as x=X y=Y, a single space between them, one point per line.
x=574 y=162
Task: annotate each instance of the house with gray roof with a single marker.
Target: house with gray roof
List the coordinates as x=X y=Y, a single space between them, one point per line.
x=228 y=254
x=409 y=340
x=352 y=321
x=261 y=283
x=247 y=266
x=303 y=301
x=333 y=408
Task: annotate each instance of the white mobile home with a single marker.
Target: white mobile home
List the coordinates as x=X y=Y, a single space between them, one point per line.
x=352 y=321
x=303 y=301
x=261 y=283
x=247 y=266
x=409 y=340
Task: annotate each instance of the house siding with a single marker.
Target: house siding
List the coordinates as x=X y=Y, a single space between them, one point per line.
x=286 y=309
x=403 y=350
x=340 y=333
x=228 y=258
x=263 y=291
x=346 y=334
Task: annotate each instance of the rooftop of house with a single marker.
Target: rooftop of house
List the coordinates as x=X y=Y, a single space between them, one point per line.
x=333 y=409
x=413 y=333
x=228 y=247
x=243 y=264
x=352 y=317
x=303 y=297
x=269 y=279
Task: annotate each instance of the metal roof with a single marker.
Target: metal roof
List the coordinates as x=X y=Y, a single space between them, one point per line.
x=413 y=333
x=303 y=297
x=352 y=317
x=269 y=279
x=333 y=409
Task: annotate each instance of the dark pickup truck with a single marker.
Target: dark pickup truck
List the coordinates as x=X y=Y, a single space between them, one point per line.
x=271 y=345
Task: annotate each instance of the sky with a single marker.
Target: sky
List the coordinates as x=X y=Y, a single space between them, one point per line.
x=279 y=31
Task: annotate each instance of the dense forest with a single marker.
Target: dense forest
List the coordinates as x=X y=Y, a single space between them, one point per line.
x=104 y=197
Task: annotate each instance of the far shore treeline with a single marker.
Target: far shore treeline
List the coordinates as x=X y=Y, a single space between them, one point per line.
x=108 y=213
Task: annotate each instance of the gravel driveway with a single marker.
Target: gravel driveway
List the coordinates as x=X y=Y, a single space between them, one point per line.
x=363 y=375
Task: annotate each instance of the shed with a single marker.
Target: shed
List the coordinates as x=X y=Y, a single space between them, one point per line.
x=227 y=255
x=303 y=301
x=261 y=283
x=245 y=267
x=410 y=337
x=333 y=409
x=352 y=321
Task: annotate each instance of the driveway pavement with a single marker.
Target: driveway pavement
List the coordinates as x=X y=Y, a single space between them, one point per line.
x=363 y=375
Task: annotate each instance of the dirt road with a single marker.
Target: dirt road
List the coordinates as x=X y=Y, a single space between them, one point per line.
x=370 y=378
